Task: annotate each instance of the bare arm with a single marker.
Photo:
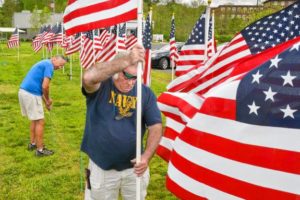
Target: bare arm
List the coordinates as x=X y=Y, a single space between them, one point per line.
x=93 y=77
x=46 y=87
x=154 y=136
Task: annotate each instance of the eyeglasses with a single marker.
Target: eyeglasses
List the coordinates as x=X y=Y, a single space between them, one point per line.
x=129 y=76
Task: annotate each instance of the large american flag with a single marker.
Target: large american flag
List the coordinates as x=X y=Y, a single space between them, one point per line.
x=173 y=49
x=257 y=37
x=193 y=51
x=244 y=142
x=84 y=15
x=147 y=39
x=13 y=41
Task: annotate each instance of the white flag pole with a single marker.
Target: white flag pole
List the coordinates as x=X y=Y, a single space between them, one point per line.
x=19 y=44
x=81 y=49
x=71 y=67
x=139 y=102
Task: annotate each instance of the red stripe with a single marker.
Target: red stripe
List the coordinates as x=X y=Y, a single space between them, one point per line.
x=146 y=73
x=227 y=184
x=180 y=192
x=163 y=152
x=97 y=7
x=271 y=158
x=170 y=133
x=130 y=15
x=191 y=52
x=188 y=62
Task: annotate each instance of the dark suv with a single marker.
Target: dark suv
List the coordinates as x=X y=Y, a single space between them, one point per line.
x=160 y=57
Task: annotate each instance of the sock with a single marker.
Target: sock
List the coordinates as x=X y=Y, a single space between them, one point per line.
x=40 y=149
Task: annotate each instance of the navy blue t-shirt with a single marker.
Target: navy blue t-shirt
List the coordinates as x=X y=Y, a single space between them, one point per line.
x=110 y=130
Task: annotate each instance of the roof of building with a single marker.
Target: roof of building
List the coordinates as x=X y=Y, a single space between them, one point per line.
x=22 y=19
x=9 y=30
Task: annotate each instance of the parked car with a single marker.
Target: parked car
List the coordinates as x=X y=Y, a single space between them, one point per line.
x=160 y=57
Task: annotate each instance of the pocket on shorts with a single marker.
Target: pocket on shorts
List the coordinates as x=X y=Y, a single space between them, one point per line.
x=145 y=179
x=96 y=176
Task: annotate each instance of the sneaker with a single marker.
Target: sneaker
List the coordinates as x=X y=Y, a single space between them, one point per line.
x=31 y=147
x=44 y=152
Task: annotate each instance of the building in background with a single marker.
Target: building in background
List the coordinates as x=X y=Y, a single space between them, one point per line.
x=22 y=21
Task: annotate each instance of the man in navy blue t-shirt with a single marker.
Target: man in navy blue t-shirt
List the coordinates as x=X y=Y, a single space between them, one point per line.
x=110 y=132
x=33 y=90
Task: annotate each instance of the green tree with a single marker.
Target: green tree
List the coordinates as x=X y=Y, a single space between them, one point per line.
x=39 y=17
x=8 y=9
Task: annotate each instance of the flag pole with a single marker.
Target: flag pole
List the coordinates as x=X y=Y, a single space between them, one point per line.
x=207 y=19
x=172 y=60
x=139 y=101
x=79 y=60
x=18 y=44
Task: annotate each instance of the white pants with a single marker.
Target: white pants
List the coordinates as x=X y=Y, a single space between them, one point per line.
x=106 y=184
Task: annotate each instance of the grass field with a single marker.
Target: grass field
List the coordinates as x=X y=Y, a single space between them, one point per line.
x=24 y=176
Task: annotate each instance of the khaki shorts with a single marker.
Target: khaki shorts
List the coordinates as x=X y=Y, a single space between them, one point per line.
x=106 y=184
x=31 y=105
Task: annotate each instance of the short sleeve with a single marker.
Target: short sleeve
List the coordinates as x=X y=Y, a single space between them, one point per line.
x=48 y=72
x=152 y=114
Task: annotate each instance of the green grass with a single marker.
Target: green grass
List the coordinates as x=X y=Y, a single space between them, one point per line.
x=24 y=176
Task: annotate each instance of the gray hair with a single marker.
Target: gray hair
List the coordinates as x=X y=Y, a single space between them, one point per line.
x=62 y=57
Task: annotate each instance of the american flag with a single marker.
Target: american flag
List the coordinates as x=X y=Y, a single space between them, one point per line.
x=75 y=45
x=121 y=38
x=257 y=37
x=84 y=15
x=50 y=32
x=87 y=57
x=36 y=43
x=109 y=50
x=173 y=49
x=101 y=39
x=14 y=39
x=58 y=37
x=211 y=43
x=193 y=51
x=147 y=39
x=131 y=39
x=244 y=142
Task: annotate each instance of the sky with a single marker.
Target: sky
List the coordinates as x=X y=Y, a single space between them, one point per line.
x=222 y=2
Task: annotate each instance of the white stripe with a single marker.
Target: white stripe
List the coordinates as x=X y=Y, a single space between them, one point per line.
x=211 y=81
x=105 y=14
x=192 y=99
x=265 y=136
x=193 y=47
x=82 y=4
x=226 y=61
x=175 y=125
x=191 y=57
x=231 y=46
x=180 y=68
x=248 y=173
x=196 y=187
x=222 y=90
x=173 y=110
x=167 y=143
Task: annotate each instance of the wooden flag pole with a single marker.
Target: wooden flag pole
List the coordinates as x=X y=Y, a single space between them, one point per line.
x=139 y=102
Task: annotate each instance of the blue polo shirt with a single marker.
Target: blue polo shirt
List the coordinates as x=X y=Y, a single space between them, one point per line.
x=110 y=130
x=33 y=81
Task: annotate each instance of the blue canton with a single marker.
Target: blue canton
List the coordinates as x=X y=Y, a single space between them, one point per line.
x=172 y=33
x=274 y=29
x=147 y=35
x=269 y=95
x=122 y=30
x=198 y=32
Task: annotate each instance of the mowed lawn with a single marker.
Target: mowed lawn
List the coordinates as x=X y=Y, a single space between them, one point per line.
x=24 y=176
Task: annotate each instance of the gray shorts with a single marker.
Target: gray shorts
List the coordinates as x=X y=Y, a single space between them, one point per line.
x=106 y=184
x=31 y=105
